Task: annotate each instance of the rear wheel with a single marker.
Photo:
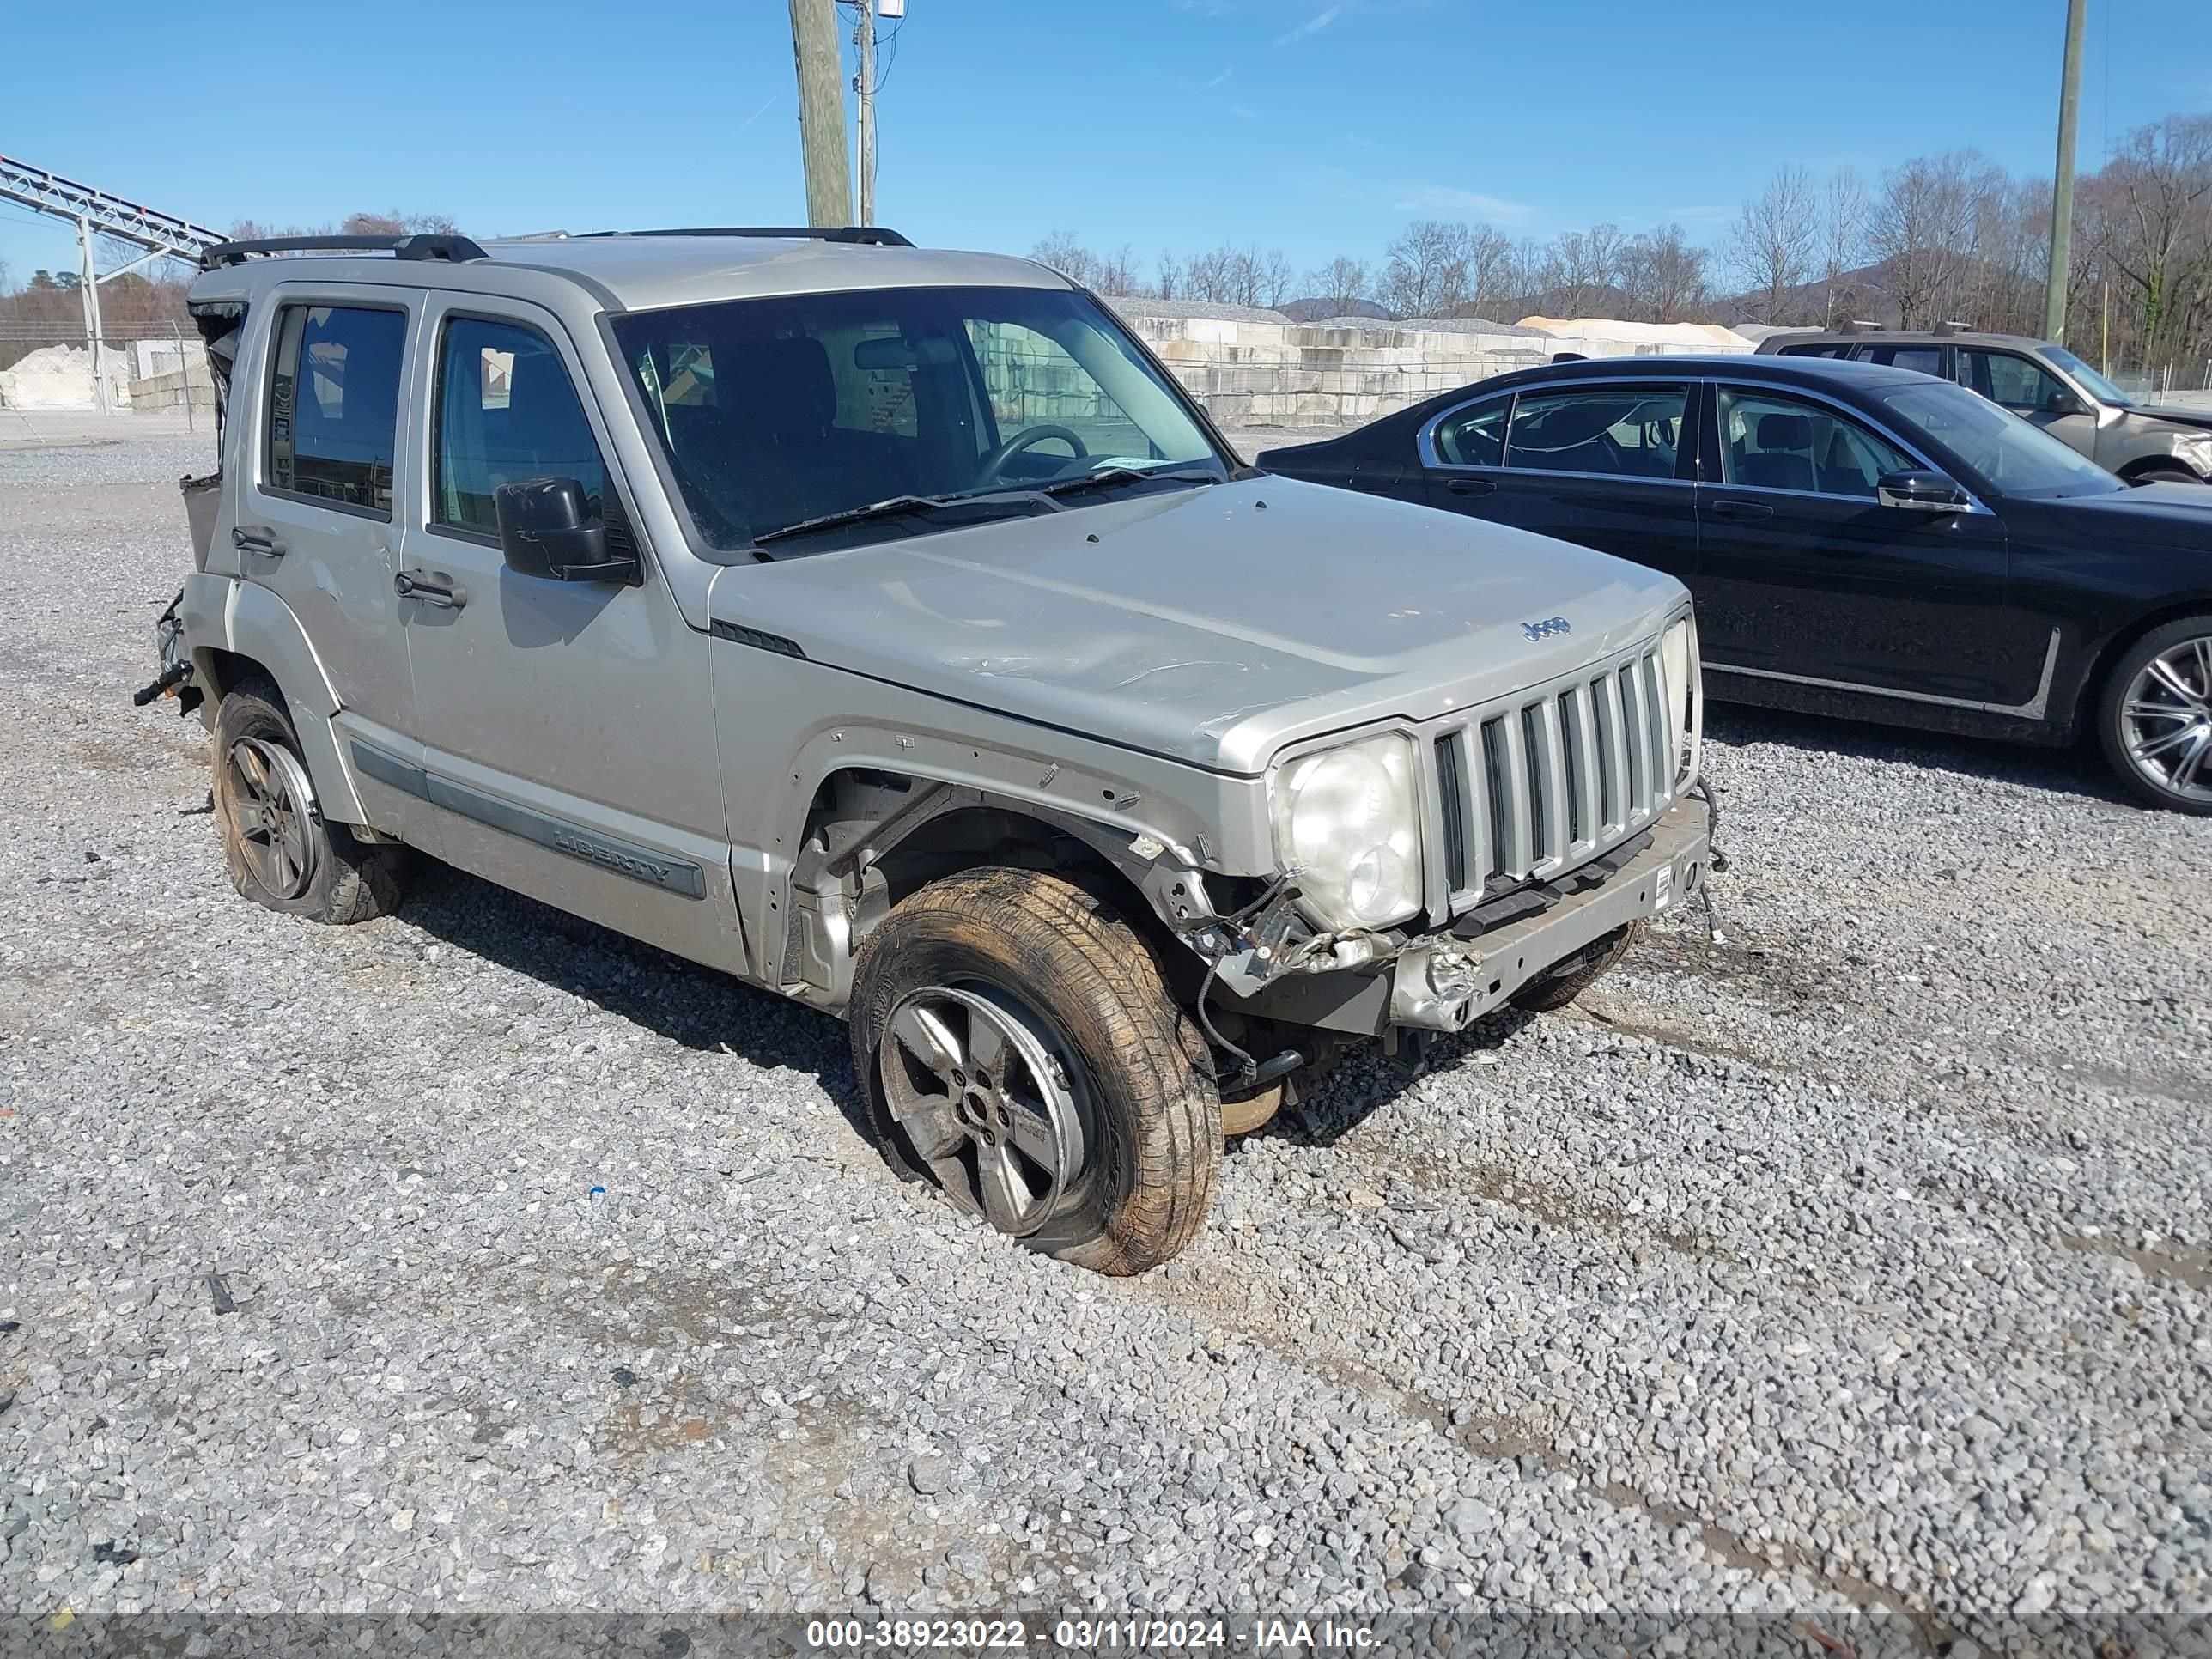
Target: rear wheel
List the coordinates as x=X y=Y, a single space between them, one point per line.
x=280 y=850
x=2155 y=717
x=1578 y=974
x=1018 y=1050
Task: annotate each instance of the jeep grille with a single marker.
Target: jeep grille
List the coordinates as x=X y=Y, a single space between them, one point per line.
x=1532 y=787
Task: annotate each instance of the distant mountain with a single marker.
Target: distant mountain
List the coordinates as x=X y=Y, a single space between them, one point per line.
x=1860 y=295
x=1312 y=311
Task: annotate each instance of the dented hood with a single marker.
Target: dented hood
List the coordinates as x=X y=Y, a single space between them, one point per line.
x=1211 y=625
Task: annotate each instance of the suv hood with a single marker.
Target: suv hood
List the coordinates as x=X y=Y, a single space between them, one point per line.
x=2174 y=415
x=1211 y=625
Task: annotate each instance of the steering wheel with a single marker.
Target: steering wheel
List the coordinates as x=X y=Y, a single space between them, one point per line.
x=993 y=464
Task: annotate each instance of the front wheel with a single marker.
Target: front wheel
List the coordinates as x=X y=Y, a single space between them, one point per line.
x=2155 y=717
x=2164 y=472
x=1017 y=1049
x=1578 y=973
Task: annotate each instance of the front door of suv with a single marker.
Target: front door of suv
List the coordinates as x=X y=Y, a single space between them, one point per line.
x=2016 y=382
x=1804 y=575
x=1609 y=464
x=566 y=728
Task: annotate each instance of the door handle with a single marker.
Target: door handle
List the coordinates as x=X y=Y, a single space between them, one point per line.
x=1471 y=486
x=256 y=538
x=412 y=585
x=1742 y=512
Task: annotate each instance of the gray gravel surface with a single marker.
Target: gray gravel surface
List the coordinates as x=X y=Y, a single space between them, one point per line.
x=1857 y=1262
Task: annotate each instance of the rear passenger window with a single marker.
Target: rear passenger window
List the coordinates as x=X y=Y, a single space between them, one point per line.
x=334 y=405
x=1920 y=359
x=1475 y=436
x=1633 y=431
x=507 y=411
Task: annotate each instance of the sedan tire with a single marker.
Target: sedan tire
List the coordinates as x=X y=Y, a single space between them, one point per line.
x=2154 y=718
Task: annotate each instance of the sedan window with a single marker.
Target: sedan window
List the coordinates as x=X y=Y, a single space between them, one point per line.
x=1474 y=436
x=1772 y=441
x=1634 y=432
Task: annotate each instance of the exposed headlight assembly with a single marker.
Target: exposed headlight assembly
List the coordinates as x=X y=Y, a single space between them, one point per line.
x=1686 y=710
x=1349 y=818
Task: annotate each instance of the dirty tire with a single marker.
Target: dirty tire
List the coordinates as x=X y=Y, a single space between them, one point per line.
x=351 y=880
x=1554 y=992
x=1069 y=957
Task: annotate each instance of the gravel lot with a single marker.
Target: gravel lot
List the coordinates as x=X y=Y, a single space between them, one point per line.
x=1857 y=1263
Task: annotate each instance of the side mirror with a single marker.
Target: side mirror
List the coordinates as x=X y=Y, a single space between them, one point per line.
x=1920 y=492
x=2062 y=402
x=543 y=530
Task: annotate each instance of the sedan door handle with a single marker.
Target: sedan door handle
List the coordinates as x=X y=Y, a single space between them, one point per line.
x=257 y=538
x=1742 y=512
x=413 y=585
x=1471 y=486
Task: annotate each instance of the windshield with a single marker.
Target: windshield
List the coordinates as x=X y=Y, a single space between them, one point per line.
x=2099 y=388
x=2008 y=454
x=776 y=412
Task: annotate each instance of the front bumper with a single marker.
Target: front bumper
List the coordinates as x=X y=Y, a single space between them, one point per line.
x=1441 y=982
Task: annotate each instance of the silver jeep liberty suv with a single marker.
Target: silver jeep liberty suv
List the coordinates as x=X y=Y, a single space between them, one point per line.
x=884 y=626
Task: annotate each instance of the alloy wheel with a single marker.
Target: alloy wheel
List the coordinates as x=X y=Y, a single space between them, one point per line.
x=272 y=809
x=984 y=1089
x=2167 y=718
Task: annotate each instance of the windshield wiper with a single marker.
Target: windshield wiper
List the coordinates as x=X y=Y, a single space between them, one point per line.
x=1121 y=475
x=896 y=507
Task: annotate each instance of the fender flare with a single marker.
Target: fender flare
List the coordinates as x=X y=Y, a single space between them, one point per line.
x=252 y=621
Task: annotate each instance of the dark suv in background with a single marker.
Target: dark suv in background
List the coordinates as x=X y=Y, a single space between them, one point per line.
x=2039 y=382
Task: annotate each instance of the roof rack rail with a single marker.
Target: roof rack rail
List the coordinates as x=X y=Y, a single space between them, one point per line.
x=420 y=246
x=1945 y=329
x=872 y=235
x=1858 y=325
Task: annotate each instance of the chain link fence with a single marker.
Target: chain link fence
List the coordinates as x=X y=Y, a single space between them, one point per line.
x=148 y=381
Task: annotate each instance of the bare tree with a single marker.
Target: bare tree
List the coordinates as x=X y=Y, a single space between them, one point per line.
x=1488 y=257
x=1589 y=267
x=1926 y=228
x=1663 y=278
x=1117 y=272
x=1167 y=277
x=1344 y=281
x=1060 y=250
x=2162 y=247
x=1271 y=277
x=1843 y=240
x=1424 y=273
x=1213 y=277
x=1771 y=250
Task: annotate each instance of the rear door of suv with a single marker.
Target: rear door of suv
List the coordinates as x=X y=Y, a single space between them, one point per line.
x=318 y=519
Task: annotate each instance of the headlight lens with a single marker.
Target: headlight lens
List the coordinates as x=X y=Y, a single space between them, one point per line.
x=1686 y=714
x=1349 y=818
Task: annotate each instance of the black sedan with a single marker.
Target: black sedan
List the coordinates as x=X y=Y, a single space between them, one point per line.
x=1861 y=540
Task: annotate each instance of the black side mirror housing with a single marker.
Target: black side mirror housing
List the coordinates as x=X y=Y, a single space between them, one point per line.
x=1921 y=492
x=544 y=530
x=2062 y=402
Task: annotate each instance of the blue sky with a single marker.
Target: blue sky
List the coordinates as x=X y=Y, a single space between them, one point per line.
x=1318 y=126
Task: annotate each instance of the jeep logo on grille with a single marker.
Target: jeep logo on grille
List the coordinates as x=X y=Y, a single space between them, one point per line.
x=1546 y=629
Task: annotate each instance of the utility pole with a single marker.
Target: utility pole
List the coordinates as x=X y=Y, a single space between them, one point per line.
x=864 y=84
x=2062 y=182
x=821 y=111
